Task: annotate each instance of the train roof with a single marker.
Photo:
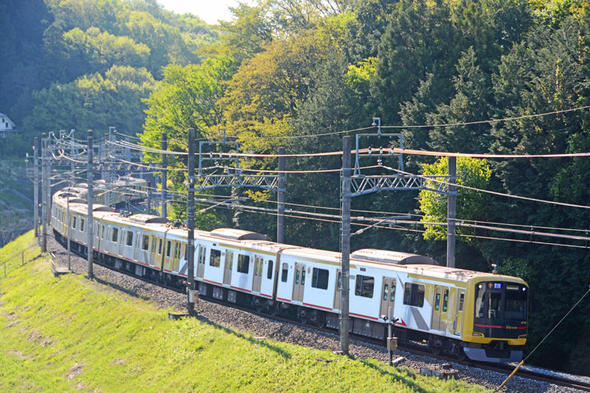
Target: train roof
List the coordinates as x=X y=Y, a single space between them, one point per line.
x=393 y=257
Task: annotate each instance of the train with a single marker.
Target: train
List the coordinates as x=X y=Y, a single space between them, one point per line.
x=478 y=315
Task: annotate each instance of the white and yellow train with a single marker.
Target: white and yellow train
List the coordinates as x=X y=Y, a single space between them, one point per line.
x=480 y=315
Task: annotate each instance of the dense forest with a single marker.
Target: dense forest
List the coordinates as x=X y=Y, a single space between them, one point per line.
x=492 y=76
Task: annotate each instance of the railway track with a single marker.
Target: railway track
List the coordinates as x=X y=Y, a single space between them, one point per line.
x=380 y=345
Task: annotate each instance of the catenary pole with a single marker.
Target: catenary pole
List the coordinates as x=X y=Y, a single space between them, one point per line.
x=281 y=198
x=164 y=146
x=345 y=238
x=451 y=212
x=44 y=181
x=36 y=185
x=90 y=203
x=191 y=221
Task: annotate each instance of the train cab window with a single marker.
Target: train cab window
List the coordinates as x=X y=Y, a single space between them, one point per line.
x=461 y=301
x=269 y=270
x=82 y=225
x=319 y=278
x=215 y=258
x=168 y=247
x=115 y=236
x=437 y=302
x=414 y=294
x=129 y=241
x=146 y=242
x=243 y=263
x=364 y=286
x=285 y=272
x=385 y=292
x=446 y=300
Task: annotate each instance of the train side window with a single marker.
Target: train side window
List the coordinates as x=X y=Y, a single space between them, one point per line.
x=319 y=278
x=168 y=247
x=202 y=255
x=129 y=238
x=153 y=245
x=160 y=246
x=102 y=232
x=269 y=270
x=461 y=301
x=146 y=242
x=177 y=250
x=243 y=263
x=339 y=281
x=437 y=302
x=364 y=286
x=285 y=272
x=82 y=225
x=303 y=276
x=215 y=258
x=414 y=294
x=392 y=295
x=445 y=300
x=74 y=222
x=115 y=237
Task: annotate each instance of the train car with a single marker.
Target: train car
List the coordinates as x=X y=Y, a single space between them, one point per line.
x=479 y=315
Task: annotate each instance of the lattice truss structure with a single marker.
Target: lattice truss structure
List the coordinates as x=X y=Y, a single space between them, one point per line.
x=224 y=155
x=374 y=147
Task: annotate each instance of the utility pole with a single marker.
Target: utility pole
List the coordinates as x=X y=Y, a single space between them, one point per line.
x=281 y=198
x=164 y=173
x=451 y=211
x=191 y=221
x=345 y=238
x=90 y=197
x=44 y=182
x=36 y=185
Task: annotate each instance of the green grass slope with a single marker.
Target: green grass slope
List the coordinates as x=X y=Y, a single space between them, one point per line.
x=70 y=334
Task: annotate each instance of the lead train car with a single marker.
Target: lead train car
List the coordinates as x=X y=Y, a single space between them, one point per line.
x=480 y=315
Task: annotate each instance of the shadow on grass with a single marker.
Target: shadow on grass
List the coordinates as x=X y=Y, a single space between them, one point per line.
x=262 y=343
x=398 y=378
x=120 y=288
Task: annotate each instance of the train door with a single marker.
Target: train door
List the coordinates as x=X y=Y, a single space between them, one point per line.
x=257 y=276
x=228 y=265
x=440 y=306
x=201 y=261
x=338 y=291
x=459 y=312
x=388 y=297
x=299 y=282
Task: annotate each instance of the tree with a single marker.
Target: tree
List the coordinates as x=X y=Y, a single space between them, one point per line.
x=471 y=204
x=94 y=102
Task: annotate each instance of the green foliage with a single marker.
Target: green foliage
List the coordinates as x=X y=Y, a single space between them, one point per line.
x=94 y=102
x=471 y=205
x=96 y=50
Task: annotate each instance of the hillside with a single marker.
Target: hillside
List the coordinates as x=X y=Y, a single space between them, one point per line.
x=71 y=334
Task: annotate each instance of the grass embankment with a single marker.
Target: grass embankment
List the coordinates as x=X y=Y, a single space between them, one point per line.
x=71 y=334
